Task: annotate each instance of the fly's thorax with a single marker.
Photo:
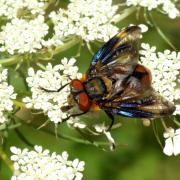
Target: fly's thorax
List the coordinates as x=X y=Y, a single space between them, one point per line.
x=97 y=87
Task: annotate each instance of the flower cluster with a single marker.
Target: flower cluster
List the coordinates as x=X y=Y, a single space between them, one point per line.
x=91 y=23
x=52 y=78
x=20 y=36
x=39 y=164
x=13 y=9
x=172 y=142
x=26 y=28
x=6 y=95
x=165 y=69
x=167 y=6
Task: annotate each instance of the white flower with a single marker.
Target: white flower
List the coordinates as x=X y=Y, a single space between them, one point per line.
x=143 y=27
x=6 y=95
x=52 y=78
x=39 y=164
x=89 y=19
x=102 y=129
x=165 y=69
x=75 y=122
x=69 y=68
x=167 y=6
x=170 y=9
x=172 y=142
x=177 y=110
x=20 y=36
x=150 y=4
x=14 y=8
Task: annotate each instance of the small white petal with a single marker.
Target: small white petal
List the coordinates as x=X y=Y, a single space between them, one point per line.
x=143 y=27
x=168 y=149
x=176 y=141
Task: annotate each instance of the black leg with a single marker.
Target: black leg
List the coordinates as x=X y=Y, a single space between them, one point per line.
x=73 y=115
x=112 y=120
x=58 y=90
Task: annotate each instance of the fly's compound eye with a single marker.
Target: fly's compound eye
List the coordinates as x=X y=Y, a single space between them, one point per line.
x=76 y=86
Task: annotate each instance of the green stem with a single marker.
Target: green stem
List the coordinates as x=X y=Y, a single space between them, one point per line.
x=164 y=125
x=176 y=122
x=66 y=137
x=138 y=13
x=156 y=133
x=161 y=33
x=146 y=17
x=127 y=12
x=4 y=127
x=5 y=158
x=67 y=45
x=49 y=3
x=74 y=139
x=10 y=61
x=14 y=126
x=19 y=104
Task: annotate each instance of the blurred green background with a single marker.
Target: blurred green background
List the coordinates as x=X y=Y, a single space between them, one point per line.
x=139 y=158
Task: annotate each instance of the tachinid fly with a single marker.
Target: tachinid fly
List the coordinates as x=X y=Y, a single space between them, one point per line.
x=117 y=84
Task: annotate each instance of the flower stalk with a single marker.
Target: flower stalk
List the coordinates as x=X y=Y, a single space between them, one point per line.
x=11 y=60
x=7 y=161
x=161 y=33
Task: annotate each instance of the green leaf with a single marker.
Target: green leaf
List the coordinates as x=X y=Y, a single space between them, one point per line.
x=17 y=80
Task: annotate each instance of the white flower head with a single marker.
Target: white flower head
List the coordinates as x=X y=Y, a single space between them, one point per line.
x=21 y=36
x=14 y=8
x=40 y=164
x=7 y=95
x=52 y=78
x=75 y=122
x=172 y=142
x=91 y=23
x=165 y=67
x=168 y=6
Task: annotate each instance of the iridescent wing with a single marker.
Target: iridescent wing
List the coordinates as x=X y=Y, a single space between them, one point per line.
x=149 y=106
x=118 y=55
x=138 y=99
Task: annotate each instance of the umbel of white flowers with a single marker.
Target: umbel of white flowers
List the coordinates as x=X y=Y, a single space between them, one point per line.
x=167 y=6
x=7 y=95
x=39 y=164
x=21 y=35
x=91 y=23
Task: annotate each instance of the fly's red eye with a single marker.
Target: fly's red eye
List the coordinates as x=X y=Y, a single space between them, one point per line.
x=83 y=101
x=76 y=85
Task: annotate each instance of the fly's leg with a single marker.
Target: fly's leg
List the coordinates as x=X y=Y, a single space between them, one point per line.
x=58 y=90
x=73 y=115
x=111 y=118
